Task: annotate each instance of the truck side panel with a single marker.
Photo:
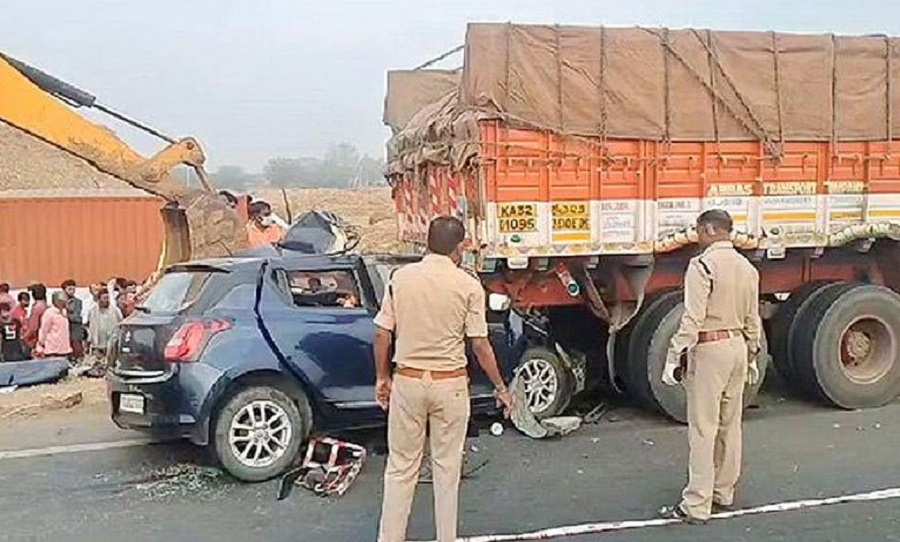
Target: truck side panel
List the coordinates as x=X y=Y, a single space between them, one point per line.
x=550 y=194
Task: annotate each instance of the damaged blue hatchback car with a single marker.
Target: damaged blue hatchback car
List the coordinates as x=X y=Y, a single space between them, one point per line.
x=249 y=356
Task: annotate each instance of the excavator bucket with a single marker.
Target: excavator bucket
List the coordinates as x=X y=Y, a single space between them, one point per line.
x=202 y=226
x=177 y=243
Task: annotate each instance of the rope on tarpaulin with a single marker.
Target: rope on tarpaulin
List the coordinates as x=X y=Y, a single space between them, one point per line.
x=440 y=57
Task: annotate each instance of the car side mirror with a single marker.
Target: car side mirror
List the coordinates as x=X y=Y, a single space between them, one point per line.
x=498 y=302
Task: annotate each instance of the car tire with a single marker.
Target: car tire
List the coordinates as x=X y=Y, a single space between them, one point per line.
x=549 y=383
x=848 y=346
x=258 y=432
x=780 y=328
x=649 y=347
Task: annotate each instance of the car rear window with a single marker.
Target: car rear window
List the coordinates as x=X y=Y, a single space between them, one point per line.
x=176 y=291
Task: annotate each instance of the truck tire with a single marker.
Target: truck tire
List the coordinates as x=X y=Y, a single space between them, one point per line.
x=649 y=347
x=780 y=327
x=801 y=383
x=549 y=384
x=848 y=346
x=641 y=349
x=258 y=432
x=623 y=338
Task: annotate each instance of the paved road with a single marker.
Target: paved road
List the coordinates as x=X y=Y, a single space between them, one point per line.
x=622 y=469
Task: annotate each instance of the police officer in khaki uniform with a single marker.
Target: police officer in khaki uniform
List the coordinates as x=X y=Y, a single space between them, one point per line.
x=429 y=310
x=720 y=336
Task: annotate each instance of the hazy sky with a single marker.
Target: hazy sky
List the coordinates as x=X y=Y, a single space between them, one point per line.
x=259 y=78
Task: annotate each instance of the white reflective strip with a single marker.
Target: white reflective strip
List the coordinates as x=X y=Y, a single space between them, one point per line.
x=73 y=448
x=591 y=528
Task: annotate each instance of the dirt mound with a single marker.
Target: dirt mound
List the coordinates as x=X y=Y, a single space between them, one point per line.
x=29 y=163
x=370 y=209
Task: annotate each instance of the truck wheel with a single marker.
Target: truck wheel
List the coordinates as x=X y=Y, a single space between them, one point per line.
x=623 y=338
x=642 y=351
x=781 y=325
x=848 y=346
x=258 y=433
x=649 y=347
x=548 y=383
x=802 y=320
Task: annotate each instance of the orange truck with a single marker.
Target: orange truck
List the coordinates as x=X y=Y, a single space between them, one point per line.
x=579 y=158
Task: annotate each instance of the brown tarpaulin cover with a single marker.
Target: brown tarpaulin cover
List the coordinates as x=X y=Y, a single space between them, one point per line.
x=654 y=83
x=408 y=91
x=684 y=84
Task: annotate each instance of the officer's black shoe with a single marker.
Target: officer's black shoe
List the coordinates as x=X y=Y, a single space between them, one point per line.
x=676 y=512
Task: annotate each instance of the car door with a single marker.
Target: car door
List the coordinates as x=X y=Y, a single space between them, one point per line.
x=500 y=333
x=330 y=345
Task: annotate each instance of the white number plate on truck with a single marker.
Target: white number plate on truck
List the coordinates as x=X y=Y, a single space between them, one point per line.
x=131 y=403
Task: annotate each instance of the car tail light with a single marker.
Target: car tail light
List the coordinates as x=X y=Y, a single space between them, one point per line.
x=190 y=339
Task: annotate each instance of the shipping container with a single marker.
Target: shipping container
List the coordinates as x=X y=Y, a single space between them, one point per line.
x=50 y=236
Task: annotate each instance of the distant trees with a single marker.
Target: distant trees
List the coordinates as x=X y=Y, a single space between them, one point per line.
x=233 y=178
x=342 y=166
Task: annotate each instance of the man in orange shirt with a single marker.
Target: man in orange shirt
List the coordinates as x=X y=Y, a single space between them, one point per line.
x=262 y=229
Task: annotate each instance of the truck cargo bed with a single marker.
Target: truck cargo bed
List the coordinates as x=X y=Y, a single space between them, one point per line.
x=536 y=193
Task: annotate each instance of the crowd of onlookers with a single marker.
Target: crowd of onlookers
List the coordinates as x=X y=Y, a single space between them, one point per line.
x=64 y=325
x=33 y=326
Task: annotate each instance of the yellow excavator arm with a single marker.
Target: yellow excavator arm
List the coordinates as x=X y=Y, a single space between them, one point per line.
x=198 y=224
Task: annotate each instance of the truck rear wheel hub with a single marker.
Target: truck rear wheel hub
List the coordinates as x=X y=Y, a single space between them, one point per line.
x=868 y=350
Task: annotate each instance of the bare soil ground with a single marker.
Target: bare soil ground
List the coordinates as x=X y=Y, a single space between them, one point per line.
x=71 y=394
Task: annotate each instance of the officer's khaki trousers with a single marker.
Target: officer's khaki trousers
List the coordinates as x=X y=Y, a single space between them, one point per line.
x=444 y=405
x=715 y=392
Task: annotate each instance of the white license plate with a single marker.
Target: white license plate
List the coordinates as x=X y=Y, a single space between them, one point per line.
x=131 y=403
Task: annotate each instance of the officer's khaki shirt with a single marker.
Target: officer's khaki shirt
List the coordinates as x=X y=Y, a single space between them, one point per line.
x=721 y=291
x=431 y=307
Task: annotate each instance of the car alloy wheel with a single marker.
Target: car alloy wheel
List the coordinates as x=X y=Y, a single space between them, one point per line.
x=541 y=384
x=259 y=434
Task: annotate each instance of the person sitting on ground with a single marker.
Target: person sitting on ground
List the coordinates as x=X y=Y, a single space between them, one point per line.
x=32 y=329
x=102 y=324
x=20 y=311
x=11 y=346
x=5 y=297
x=53 y=336
x=262 y=229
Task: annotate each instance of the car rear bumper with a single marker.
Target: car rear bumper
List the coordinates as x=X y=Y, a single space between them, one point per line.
x=172 y=407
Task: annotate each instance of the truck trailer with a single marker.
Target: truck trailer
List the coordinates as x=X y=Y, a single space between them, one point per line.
x=580 y=157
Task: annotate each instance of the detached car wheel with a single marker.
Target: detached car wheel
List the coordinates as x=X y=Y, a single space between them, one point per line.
x=548 y=382
x=258 y=433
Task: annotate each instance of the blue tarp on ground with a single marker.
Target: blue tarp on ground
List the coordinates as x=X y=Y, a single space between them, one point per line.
x=36 y=371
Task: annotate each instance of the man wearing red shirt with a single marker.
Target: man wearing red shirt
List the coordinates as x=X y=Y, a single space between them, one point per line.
x=33 y=327
x=20 y=311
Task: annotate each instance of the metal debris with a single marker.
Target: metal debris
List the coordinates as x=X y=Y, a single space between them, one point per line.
x=596 y=414
x=527 y=423
x=328 y=468
x=469 y=469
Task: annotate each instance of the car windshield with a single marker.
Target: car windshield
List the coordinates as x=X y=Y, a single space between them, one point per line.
x=175 y=291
